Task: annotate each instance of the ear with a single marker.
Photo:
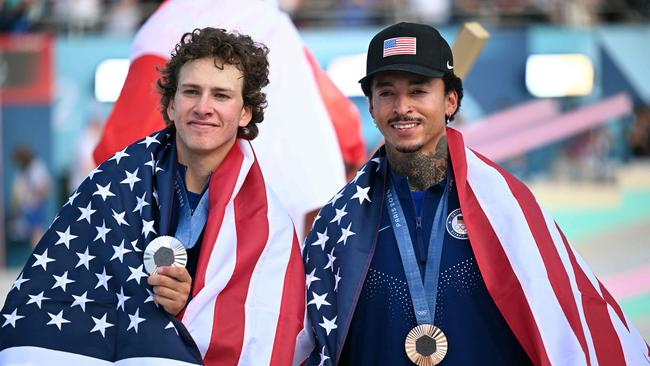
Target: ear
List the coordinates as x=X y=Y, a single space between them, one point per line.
x=451 y=102
x=246 y=116
x=371 y=109
x=170 y=110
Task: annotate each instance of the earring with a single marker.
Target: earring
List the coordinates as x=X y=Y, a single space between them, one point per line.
x=447 y=119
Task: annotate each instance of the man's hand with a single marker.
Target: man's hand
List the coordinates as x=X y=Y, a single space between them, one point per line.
x=171 y=288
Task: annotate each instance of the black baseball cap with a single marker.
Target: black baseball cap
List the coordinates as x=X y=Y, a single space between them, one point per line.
x=410 y=47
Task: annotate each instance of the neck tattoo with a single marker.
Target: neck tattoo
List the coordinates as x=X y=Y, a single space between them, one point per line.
x=422 y=169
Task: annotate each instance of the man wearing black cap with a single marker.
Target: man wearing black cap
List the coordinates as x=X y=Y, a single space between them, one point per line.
x=433 y=254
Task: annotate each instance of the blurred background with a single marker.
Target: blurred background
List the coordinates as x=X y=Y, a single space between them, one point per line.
x=559 y=95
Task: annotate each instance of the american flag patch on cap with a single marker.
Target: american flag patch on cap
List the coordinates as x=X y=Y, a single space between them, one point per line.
x=399 y=46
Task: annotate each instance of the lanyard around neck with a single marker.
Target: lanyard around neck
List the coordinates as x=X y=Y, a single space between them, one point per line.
x=425 y=310
x=190 y=223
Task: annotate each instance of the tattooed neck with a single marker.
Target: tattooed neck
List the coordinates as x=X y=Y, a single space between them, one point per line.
x=422 y=169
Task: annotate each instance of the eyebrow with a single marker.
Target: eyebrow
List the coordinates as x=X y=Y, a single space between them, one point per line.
x=197 y=86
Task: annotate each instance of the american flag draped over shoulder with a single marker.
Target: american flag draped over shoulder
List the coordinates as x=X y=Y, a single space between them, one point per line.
x=82 y=296
x=556 y=307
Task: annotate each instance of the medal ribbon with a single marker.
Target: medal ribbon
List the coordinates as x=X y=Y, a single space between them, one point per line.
x=424 y=310
x=190 y=225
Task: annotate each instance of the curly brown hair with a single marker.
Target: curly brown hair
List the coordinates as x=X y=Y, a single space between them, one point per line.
x=238 y=50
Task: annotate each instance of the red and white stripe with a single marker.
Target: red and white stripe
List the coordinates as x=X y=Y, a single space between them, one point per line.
x=557 y=308
x=248 y=295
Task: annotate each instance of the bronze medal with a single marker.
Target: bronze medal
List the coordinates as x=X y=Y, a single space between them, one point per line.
x=426 y=345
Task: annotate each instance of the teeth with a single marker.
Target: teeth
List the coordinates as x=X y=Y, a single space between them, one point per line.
x=403 y=127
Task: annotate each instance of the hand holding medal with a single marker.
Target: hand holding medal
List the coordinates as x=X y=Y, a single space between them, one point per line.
x=164 y=259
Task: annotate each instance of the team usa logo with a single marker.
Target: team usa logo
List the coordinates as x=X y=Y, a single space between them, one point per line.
x=456 y=225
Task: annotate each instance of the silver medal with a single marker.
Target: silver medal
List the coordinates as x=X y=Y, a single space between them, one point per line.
x=164 y=251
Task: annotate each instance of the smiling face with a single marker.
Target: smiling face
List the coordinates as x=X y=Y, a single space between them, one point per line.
x=207 y=110
x=410 y=111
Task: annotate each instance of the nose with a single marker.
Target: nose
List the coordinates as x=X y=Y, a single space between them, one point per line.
x=203 y=106
x=402 y=105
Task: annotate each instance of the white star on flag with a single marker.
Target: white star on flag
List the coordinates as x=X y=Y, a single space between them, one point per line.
x=149 y=140
x=104 y=191
x=121 y=299
x=71 y=199
x=11 y=318
x=65 y=237
x=345 y=233
x=131 y=178
x=86 y=212
x=19 y=281
x=134 y=244
x=337 y=278
x=135 y=320
x=323 y=357
x=362 y=194
x=322 y=239
x=84 y=259
x=378 y=161
x=100 y=325
x=81 y=301
x=37 y=299
x=93 y=172
x=150 y=297
x=119 y=217
x=141 y=203
x=136 y=274
x=171 y=325
x=318 y=300
x=330 y=260
x=335 y=198
x=62 y=281
x=311 y=277
x=153 y=164
x=329 y=325
x=119 y=155
x=339 y=214
x=147 y=228
x=102 y=279
x=359 y=173
x=102 y=231
x=57 y=319
x=119 y=252
x=42 y=260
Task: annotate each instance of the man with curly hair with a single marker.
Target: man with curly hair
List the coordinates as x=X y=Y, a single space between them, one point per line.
x=239 y=298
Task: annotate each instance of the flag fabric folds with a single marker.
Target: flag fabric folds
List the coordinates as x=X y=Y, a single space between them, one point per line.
x=83 y=295
x=556 y=307
x=295 y=116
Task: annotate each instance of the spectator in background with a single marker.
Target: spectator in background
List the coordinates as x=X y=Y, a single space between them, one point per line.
x=123 y=18
x=78 y=16
x=639 y=135
x=14 y=16
x=30 y=190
